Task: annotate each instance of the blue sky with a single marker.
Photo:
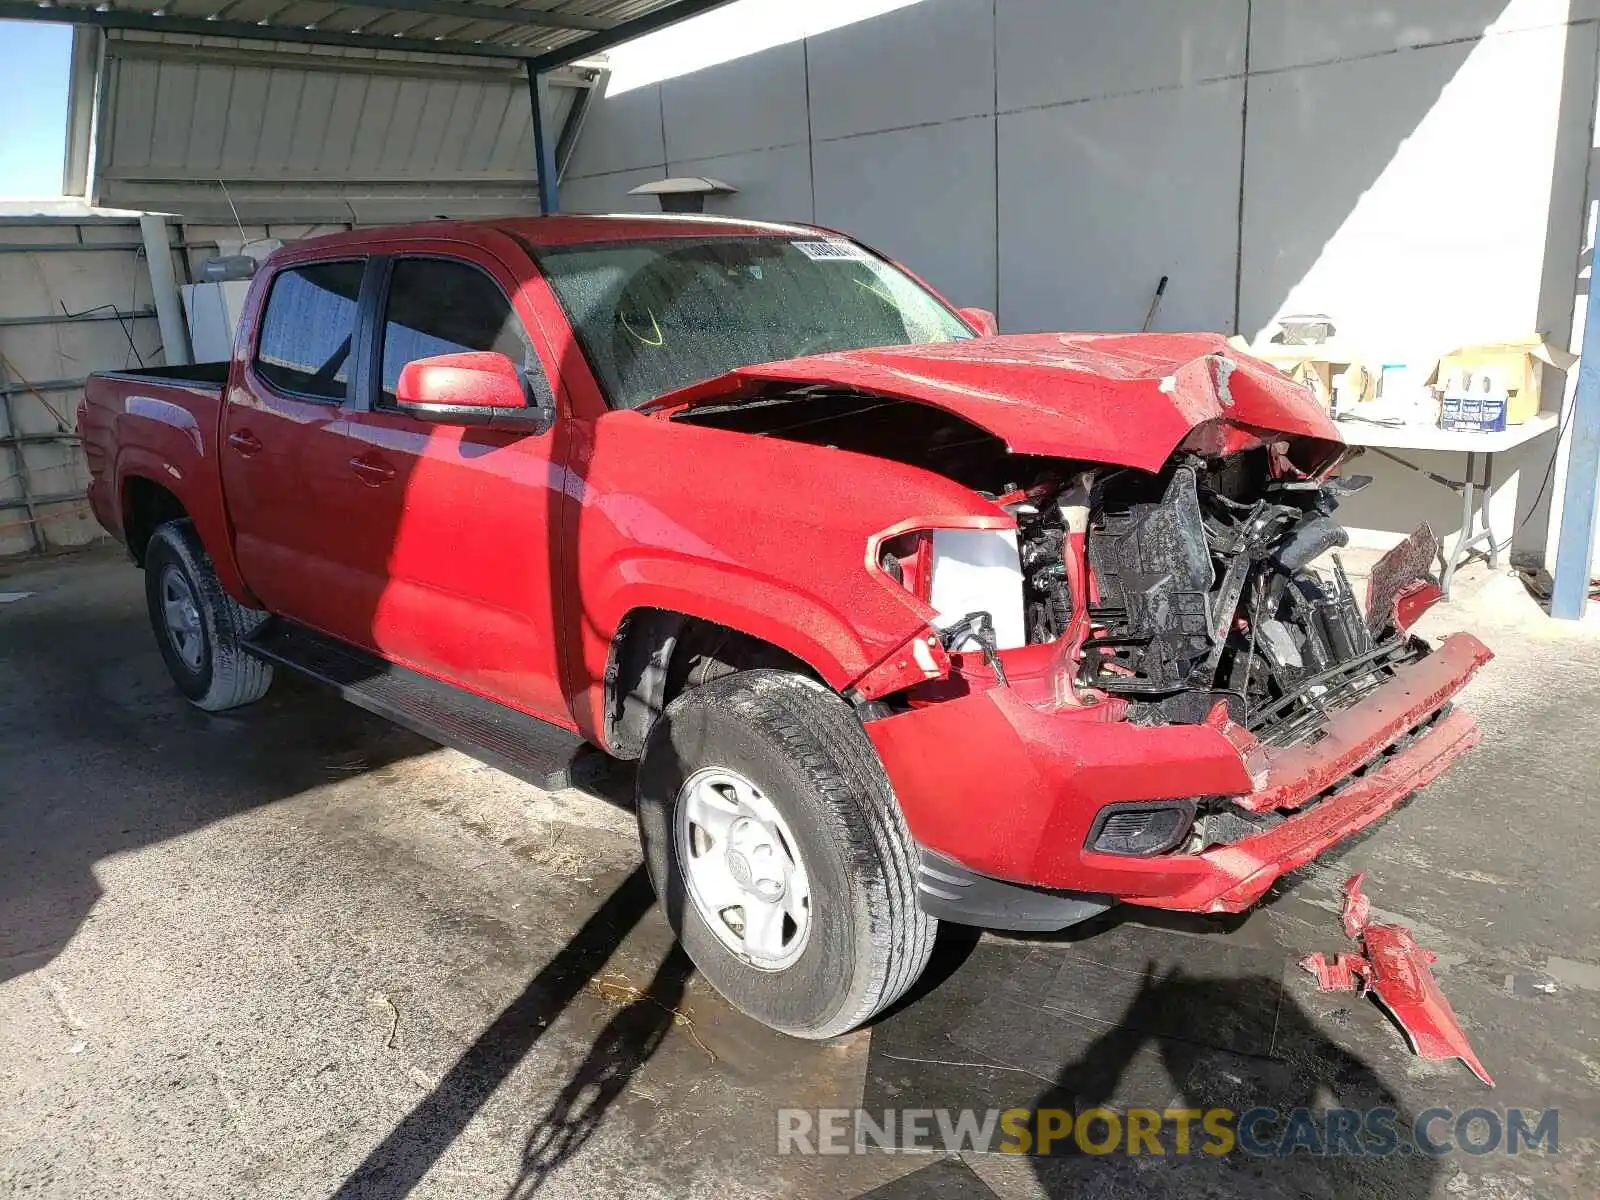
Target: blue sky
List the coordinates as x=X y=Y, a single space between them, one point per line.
x=33 y=97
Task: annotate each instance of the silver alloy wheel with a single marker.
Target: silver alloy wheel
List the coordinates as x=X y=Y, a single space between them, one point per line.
x=743 y=868
x=181 y=614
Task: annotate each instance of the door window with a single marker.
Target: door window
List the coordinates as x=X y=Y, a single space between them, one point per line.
x=308 y=329
x=441 y=307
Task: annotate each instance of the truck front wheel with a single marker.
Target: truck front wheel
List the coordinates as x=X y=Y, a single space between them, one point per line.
x=779 y=853
x=200 y=629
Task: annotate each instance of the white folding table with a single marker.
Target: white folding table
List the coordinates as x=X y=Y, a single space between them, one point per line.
x=1474 y=492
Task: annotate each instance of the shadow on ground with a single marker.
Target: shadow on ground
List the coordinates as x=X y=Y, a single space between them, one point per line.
x=103 y=756
x=1140 y=1017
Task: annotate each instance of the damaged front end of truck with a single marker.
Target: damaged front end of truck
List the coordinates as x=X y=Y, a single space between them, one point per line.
x=1147 y=678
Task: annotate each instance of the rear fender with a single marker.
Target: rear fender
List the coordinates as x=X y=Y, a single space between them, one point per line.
x=196 y=485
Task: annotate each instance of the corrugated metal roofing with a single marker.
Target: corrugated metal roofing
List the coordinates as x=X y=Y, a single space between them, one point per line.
x=312 y=133
x=296 y=109
x=529 y=27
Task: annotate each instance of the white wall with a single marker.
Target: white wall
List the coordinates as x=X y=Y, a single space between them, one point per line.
x=1415 y=168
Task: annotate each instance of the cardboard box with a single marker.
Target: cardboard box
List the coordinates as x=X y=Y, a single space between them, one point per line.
x=1318 y=368
x=1514 y=368
x=1476 y=414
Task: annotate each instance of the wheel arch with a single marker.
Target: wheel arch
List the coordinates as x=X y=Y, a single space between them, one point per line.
x=658 y=653
x=145 y=506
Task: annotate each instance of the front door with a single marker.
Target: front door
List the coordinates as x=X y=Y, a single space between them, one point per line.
x=449 y=533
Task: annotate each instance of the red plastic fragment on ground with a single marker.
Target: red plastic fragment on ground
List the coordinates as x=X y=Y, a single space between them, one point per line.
x=1395 y=969
x=1398 y=974
x=1346 y=973
x=1357 y=908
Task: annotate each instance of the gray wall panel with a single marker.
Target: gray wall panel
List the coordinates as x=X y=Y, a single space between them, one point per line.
x=773 y=184
x=427 y=140
x=752 y=103
x=466 y=110
x=932 y=61
x=405 y=119
x=208 y=128
x=281 y=112
x=1099 y=200
x=169 y=142
x=925 y=196
x=246 y=110
x=609 y=193
x=1286 y=33
x=620 y=133
x=1050 y=51
x=133 y=117
x=343 y=120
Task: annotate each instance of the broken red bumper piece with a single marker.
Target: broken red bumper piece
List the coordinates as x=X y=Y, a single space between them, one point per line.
x=1396 y=970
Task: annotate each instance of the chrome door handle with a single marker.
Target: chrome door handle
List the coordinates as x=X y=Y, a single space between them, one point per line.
x=372 y=472
x=245 y=442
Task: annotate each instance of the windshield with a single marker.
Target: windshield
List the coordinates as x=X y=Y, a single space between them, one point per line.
x=656 y=316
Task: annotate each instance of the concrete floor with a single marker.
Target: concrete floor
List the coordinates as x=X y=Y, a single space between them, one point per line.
x=294 y=951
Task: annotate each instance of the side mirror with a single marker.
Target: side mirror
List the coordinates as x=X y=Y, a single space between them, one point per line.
x=980 y=319
x=475 y=388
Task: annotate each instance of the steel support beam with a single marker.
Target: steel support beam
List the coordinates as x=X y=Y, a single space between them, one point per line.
x=199 y=27
x=135 y=314
x=19 y=464
x=544 y=146
x=84 y=77
x=599 y=43
x=537 y=18
x=572 y=127
x=1575 y=543
x=49 y=385
x=164 y=290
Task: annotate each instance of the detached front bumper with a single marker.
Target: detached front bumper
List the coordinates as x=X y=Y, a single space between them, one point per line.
x=1009 y=791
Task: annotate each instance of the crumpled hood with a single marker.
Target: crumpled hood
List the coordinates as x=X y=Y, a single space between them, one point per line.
x=1127 y=399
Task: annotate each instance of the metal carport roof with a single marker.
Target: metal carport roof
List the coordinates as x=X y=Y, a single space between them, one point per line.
x=546 y=34
x=404 y=37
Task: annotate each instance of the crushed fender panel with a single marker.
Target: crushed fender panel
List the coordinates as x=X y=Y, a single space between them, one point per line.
x=1393 y=968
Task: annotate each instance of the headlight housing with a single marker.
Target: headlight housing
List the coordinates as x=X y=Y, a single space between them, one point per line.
x=957 y=572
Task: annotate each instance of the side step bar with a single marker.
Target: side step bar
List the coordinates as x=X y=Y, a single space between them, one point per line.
x=530 y=749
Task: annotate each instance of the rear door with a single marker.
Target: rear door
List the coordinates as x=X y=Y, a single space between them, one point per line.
x=449 y=533
x=282 y=424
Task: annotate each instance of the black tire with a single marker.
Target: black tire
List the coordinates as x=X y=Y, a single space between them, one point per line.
x=217 y=674
x=803 y=748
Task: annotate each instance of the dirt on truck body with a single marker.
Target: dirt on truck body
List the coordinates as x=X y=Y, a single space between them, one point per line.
x=905 y=621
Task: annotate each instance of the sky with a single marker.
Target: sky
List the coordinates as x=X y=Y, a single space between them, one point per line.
x=33 y=97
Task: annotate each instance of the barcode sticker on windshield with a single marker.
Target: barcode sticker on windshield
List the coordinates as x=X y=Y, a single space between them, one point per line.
x=844 y=251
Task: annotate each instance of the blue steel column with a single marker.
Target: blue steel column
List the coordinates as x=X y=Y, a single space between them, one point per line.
x=1575 y=545
x=544 y=146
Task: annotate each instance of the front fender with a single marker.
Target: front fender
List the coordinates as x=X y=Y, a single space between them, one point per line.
x=778 y=612
x=769 y=538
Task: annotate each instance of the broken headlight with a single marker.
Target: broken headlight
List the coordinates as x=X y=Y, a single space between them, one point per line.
x=960 y=573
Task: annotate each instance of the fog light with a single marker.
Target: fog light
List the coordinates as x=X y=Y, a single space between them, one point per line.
x=1141 y=829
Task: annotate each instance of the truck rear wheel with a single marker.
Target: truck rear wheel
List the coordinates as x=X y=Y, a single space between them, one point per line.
x=779 y=853
x=200 y=629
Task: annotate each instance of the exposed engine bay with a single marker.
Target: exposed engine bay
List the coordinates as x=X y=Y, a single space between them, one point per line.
x=1203 y=591
x=1183 y=589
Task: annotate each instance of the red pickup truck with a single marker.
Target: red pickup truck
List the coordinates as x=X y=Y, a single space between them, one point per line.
x=905 y=621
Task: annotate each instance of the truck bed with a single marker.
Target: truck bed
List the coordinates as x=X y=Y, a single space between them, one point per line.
x=156 y=425
x=212 y=374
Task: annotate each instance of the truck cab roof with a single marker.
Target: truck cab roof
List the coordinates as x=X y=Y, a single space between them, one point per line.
x=564 y=229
